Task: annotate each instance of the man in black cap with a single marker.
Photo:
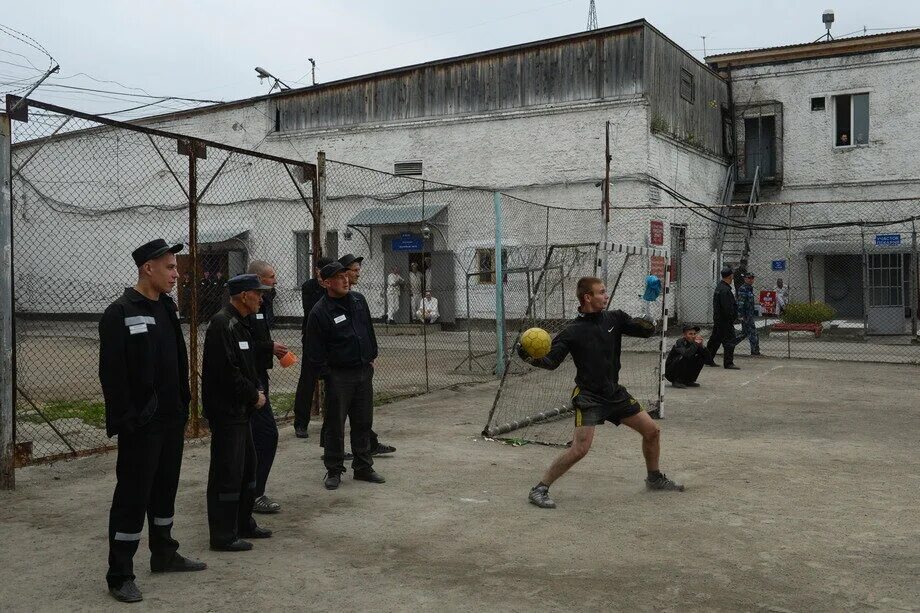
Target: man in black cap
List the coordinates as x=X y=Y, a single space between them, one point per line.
x=143 y=369
x=724 y=313
x=686 y=358
x=352 y=266
x=311 y=291
x=230 y=393
x=264 y=427
x=341 y=348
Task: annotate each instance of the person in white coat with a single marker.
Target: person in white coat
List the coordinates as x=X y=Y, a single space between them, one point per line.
x=395 y=283
x=782 y=296
x=415 y=285
x=428 y=309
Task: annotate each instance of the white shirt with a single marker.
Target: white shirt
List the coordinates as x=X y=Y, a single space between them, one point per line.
x=393 y=280
x=415 y=282
x=428 y=307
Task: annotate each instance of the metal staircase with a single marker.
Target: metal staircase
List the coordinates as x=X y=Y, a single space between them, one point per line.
x=739 y=208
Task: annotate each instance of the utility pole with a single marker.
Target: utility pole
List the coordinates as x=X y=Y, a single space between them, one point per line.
x=312 y=69
x=592 y=17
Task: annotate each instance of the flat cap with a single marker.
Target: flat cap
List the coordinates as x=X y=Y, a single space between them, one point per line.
x=245 y=283
x=749 y=275
x=330 y=270
x=348 y=259
x=153 y=250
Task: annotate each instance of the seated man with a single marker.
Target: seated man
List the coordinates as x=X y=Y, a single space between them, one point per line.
x=686 y=358
x=428 y=309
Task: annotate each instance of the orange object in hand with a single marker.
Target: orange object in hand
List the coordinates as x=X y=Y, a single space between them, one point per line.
x=288 y=359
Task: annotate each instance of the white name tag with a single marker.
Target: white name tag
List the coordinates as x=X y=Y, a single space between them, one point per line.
x=137 y=329
x=244 y=344
x=339 y=319
x=260 y=315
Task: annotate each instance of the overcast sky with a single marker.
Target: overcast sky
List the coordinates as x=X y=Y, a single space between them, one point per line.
x=208 y=48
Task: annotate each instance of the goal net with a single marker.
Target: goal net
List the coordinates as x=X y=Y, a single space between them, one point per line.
x=534 y=404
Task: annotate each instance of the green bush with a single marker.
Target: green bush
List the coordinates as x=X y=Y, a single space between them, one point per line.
x=808 y=313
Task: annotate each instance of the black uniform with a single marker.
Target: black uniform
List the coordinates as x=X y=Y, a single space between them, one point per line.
x=724 y=313
x=311 y=292
x=143 y=369
x=685 y=361
x=595 y=342
x=230 y=386
x=340 y=348
x=264 y=427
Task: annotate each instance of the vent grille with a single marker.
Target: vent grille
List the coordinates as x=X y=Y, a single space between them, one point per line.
x=410 y=167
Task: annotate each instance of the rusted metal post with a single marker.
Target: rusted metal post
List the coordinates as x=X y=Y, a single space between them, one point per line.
x=193 y=256
x=7 y=410
x=319 y=197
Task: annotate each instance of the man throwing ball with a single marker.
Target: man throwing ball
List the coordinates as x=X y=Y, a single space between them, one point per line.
x=594 y=339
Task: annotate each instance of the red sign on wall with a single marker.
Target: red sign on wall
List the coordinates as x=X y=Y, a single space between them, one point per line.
x=768 y=302
x=657 y=232
x=656 y=266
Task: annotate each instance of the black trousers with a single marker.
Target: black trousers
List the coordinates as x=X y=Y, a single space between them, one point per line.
x=686 y=370
x=723 y=335
x=264 y=438
x=303 y=397
x=349 y=394
x=231 y=482
x=147 y=469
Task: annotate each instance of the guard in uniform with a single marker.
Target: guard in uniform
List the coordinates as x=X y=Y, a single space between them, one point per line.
x=747 y=312
x=724 y=314
x=341 y=348
x=143 y=369
x=311 y=292
x=230 y=393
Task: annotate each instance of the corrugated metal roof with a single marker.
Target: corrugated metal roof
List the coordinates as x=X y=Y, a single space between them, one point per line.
x=396 y=215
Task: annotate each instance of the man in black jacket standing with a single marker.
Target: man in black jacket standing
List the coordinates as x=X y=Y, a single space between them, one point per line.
x=230 y=393
x=341 y=348
x=686 y=358
x=143 y=369
x=724 y=314
x=311 y=291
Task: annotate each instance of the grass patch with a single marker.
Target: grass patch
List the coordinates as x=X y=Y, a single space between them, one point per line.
x=91 y=412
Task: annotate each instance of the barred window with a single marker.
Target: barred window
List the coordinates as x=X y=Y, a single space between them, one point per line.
x=687 y=87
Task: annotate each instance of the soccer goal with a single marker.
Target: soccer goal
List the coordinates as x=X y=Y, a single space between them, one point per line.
x=533 y=404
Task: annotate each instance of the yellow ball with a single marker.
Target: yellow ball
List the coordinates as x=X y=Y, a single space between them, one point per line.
x=536 y=342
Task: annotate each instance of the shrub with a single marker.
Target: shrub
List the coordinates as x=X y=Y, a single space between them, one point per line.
x=808 y=313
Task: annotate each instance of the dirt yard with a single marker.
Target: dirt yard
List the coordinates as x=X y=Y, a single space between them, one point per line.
x=802 y=495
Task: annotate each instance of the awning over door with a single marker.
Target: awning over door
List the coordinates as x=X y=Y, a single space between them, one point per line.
x=396 y=215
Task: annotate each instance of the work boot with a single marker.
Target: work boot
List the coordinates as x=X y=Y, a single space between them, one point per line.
x=301 y=432
x=256 y=533
x=333 y=480
x=371 y=476
x=237 y=545
x=128 y=592
x=678 y=385
x=382 y=449
x=178 y=564
x=662 y=483
x=732 y=367
x=694 y=384
x=264 y=504
x=539 y=496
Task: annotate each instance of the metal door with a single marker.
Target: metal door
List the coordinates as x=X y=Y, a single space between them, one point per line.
x=444 y=284
x=697 y=284
x=843 y=285
x=760 y=146
x=886 y=296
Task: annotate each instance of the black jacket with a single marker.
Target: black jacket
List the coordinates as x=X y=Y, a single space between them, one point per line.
x=310 y=293
x=340 y=334
x=229 y=386
x=724 y=306
x=683 y=350
x=260 y=325
x=595 y=341
x=128 y=363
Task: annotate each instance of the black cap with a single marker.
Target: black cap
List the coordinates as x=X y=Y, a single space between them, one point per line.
x=245 y=283
x=348 y=259
x=687 y=327
x=727 y=272
x=323 y=261
x=749 y=275
x=330 y=270
x=153 y=250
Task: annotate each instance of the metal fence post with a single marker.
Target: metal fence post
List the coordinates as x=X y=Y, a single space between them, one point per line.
x=499 y=289
x=913 y=286
x=7 y=410
x=319 y=201
x=193 y=256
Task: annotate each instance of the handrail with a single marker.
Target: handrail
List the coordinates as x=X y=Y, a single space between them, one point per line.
x=750 y=213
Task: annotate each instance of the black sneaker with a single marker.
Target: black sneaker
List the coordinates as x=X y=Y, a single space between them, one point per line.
x=711 y=364
x=539 y=496
x=256 y=533
x=678 y=385
x=128 y=592
x=301 y=432
x=383 y=449
x=178 y=564
x=332 y=480
x=237 y=545
x=694 y=384
x=663 y=484
x=264 y=504
x=732 y=367
x=371 y=476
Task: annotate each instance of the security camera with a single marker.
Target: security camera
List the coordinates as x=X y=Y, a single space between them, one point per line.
x=347 y=234
x=426 y=232
x=263 y=74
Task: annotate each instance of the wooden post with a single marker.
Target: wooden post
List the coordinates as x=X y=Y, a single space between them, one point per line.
x=7 y=410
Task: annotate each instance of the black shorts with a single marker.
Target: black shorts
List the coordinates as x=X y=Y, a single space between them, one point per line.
x=593 y=410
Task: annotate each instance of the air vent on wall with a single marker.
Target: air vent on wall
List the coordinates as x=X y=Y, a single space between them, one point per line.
x=410 y=167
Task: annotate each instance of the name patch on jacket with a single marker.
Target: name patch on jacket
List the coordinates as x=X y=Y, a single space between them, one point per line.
x=137 y=329
x=244 y=344
x=138 y=324
x=260 y=315
x=339 y=319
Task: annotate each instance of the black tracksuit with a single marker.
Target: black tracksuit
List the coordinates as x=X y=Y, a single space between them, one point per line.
x=230 y=385
x=340 y=348
x=264 y=427
x=143 y=369
x=685 y=361
x=311 y=292
x=595 y=342
x=724 y=314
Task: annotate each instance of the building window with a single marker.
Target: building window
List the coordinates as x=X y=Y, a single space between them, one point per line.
x=303 y=255
x=851 y=120
x=485 y=259
x=817 y=104
x=687 y=88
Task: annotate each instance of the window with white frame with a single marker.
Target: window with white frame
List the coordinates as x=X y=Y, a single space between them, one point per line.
x=851 y=120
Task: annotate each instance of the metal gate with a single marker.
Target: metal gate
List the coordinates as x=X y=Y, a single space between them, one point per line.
x=887 y=292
